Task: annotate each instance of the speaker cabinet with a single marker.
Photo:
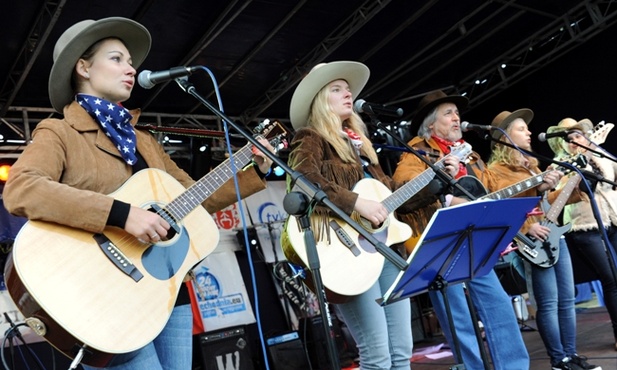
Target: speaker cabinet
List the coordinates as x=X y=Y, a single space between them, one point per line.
x=226 y=349
x=287 y=352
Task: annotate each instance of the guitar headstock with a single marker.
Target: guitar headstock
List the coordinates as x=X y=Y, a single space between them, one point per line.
x=462 y=151
x=578 y=160
x=274 y=132
x=600 y=132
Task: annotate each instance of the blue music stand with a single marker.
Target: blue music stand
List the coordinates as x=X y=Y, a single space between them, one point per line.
x=460 y=243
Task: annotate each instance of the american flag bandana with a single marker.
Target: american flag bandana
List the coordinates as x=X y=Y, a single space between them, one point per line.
x=115 y=121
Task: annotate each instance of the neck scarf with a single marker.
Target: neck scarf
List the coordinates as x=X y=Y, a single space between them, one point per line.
x=355 y=139
x=115 y=121
x=444 y=146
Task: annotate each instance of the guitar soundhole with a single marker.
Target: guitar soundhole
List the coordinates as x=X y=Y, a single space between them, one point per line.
x=174 y=229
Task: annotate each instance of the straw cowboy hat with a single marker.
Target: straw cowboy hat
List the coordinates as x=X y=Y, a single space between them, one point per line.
x=78 y=38
x=558 y=144
x=432 y=100
x=503 y=120
x=356 y=74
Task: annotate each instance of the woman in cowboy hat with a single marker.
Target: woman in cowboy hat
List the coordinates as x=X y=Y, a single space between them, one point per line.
x=65 y=174
x=331 y=149
x=584 y=238
x=438 y=124
x=552 y=287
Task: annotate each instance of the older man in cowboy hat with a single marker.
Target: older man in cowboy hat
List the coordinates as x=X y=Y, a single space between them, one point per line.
x=438 y=122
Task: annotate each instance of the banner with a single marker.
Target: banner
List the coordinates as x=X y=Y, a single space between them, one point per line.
x=221 y=297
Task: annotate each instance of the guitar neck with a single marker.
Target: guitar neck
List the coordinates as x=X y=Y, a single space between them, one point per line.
x=204 y=187
x=562 y=198
x=411 y=188
x=517 y=188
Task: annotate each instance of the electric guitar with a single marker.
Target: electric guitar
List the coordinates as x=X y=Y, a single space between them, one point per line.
x=98 y=295
x=532 y=246
x=350 y=265
x=542 y=254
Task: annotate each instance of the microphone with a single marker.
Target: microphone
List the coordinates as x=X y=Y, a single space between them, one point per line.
x=362 y=106
x=543 y=136
x=147 y=79
x=466 y=126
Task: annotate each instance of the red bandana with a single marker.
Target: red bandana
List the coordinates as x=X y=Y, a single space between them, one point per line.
x=444 y=146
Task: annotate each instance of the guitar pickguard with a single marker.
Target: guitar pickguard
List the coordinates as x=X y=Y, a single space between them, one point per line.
x=163 y=260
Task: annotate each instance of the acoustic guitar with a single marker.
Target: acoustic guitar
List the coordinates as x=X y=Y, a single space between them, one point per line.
x=98 y=295
x=350 y=265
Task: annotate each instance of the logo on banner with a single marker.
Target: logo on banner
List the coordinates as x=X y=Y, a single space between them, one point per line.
x=270 y=213
x=212 y=302
x=228 y=218
x=208 y=286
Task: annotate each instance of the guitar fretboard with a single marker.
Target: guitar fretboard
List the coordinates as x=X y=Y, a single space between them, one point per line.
x=204 y=187
x=411 y=188
x=517 y=188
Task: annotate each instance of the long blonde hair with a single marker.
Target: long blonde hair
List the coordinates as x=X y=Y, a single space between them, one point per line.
x=323 y=119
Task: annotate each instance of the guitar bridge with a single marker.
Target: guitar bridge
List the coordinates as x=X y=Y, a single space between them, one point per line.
x=117 y=257
x=344 y=238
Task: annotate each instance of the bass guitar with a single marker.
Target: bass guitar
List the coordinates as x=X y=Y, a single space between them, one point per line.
x=350 y=265
x=93 y=296
x=532 y=246
x=542 y=254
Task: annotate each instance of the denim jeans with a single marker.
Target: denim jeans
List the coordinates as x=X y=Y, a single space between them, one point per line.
x=382 y=334
x=494 y=308
x=590 y=245
x=553 y=289
x=172 y=349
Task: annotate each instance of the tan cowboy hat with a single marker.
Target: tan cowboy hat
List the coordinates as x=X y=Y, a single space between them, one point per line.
x=432 y=100
x=585 y=126
x=356 y=74
x=503 y=120
x=78 y=38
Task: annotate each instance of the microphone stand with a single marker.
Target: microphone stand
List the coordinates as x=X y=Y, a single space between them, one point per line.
x=585 y=175
x=298 y=202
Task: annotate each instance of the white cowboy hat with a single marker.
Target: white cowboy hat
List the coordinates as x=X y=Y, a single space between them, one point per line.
x=78 y=38
x=356 y=74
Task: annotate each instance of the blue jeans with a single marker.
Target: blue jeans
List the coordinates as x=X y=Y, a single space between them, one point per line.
x=172 y=349
x=591 y=247
x=495 y=310
x=382 y=334
x=553 y=289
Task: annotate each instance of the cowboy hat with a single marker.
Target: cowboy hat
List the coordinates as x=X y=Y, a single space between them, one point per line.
x=567 y=124
x=356 y=74
x=503 y=120
x=78 y=38
x=432 y=100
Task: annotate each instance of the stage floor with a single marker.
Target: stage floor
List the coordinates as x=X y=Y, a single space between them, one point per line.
x=595 y=340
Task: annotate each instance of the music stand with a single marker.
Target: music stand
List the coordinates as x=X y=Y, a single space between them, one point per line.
x=459 y=243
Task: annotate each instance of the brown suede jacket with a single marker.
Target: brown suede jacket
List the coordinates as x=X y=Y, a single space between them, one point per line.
x=65 y=174
x=313 y=157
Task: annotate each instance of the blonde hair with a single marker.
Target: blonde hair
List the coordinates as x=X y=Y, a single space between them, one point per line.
x=509 y=156
x=323 y=119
